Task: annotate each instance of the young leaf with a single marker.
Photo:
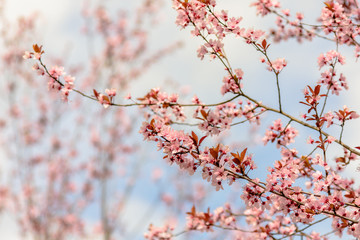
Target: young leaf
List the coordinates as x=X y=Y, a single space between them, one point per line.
x=215 y=151
x=193 y=211
x=242 y=155
x=37 y=49
x=204 y=114
x=194 y=137
x=202 y=139
x=329 y=5
x=263 y=43
x=351 y=194
x=96 y=94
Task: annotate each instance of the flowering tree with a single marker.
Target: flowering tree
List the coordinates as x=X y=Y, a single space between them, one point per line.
x=303 y=187
x=50 y=185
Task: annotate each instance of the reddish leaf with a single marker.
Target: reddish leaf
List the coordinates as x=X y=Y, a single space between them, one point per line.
x=193 y=211
x=351 y=194
x=165 y=105
x=340 y=159
x=305 y=103
x=207 y=216
x=193 y=154
x=344 y=223
x=242 y=155
x=202 y=139
x=204 y=114
x=194 y=137
x=37 y=49
x=235 y=78
x=106 y=99
x=185 y=3
x=236 y=161
x=312 y=91
x=236 y=158
x=205 y=1
x=152 y=122
x=96 y=94
x=215 y=151
x=264 y=44
x=308 y=210
x=329 y=5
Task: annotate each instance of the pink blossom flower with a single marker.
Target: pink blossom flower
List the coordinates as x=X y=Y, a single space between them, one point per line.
x=286 y=12
x=128 y=96
x=299 y=16
x=330 y=139
x=104 y=100
x=56 y=72
x=27 y=55
x=201 y=52
x=159 y=233
x=278 y=64
x=111 y=92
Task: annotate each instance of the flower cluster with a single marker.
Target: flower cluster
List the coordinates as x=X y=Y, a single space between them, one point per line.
x=38 y=52
x=184 y=150
x=336 y=19
x=159 y=233
x=232 y=82
x=221 y=118
x=211 y=24
x=54 y=73
x=264 y=7
x=283 y=135
x=161 y=102
x=328 y=76
x=204 y=221
x=214 y=122
x=277 y=65
x=105 y=100
x=345 y=114
x=177 y=145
